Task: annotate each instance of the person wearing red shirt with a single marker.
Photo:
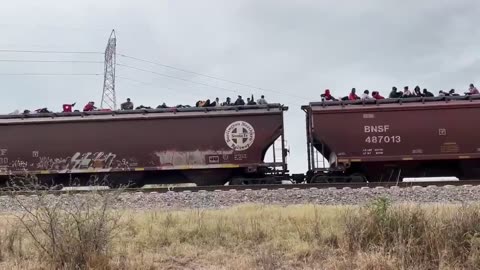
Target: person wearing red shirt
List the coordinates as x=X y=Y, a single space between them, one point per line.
x=68 y=107
x=327 y=96
x=376 y=95
x=89 y=107
x=352 y=95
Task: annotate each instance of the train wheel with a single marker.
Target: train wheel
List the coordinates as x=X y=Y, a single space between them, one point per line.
x=237 y=181
x=240 y=181
x=320 y=179
x=358 y=178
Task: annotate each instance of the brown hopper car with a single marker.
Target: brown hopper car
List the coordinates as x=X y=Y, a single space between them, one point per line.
x=201 y=145
x=387 y=140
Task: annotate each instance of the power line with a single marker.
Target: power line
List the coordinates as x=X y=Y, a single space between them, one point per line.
x=150 y=83
x=50 y=61
x=133 y=80
x=46 y=51
x=168 y=88
x=212 y=77
x=176 y=78
x=50 y=74
x=173 y=90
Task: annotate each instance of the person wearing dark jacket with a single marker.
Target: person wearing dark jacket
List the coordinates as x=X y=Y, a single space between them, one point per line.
x=417 y=92
x=327 y=96
x=228 y=102
x=394 y=93
x=239 y=101
x=128 y=105
x=251 y=102
x=426 y=93
x=163 y=106
x=452 y=93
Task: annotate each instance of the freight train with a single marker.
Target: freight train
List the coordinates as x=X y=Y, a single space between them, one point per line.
x=373 y=140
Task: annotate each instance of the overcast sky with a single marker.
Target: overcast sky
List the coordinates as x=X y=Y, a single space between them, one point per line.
x=297 y=48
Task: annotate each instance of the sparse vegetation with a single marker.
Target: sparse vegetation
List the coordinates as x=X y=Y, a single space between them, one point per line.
x=376 y=236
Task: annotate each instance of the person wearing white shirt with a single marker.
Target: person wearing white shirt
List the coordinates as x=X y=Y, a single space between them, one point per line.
x=262 y=101
x=366 y=95
x=406 y=92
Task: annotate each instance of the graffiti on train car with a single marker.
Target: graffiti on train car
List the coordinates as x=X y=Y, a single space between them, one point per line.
x=82 y=161
x=197 y=157
x=3 y=157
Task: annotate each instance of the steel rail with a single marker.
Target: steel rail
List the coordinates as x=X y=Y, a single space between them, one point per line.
x=20 y=191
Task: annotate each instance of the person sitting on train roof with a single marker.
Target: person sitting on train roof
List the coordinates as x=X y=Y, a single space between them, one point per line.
x=67 y=108
x=417 y=92
x=127 y=105
x=262 y=101
x=42 y=110
x=441 y=93
x=163 y=106
x=426 y=93
x=472 y=90
x=200 y=103
x=143 y=107
x=366 y=95
x=239 y=101
x=228 y=102
x=251 y=101
x=394 y=93
x=217 y=102
x=376 y=95
x=406 y=92
x=327 y=96
x=352 y=95
x=210 y=104
x=452 y=93
x=89 y=107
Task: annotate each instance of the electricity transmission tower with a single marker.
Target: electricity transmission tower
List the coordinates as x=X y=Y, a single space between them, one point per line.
x=109 y=99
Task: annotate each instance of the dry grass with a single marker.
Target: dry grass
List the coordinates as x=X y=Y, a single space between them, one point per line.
x=378 y=236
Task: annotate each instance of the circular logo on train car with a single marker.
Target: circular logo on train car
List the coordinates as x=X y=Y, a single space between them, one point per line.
x=239 y=135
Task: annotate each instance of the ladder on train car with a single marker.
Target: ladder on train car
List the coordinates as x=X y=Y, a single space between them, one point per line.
x=277 y=154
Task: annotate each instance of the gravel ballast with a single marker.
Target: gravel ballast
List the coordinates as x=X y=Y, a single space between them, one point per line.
x=222 y=199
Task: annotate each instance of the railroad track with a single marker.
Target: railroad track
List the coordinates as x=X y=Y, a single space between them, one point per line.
x=255 y=187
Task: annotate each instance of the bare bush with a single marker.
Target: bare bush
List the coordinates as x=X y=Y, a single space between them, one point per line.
x=70 y=231
x=415 y=236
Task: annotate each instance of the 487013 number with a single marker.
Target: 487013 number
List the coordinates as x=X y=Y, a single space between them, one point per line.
x=383 y=139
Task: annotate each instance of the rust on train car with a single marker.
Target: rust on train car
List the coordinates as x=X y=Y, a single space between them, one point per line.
x=140 y=141
x=387 y=134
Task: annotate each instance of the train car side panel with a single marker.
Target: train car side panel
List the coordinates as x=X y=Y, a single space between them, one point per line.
x=167 y=141
x=370 y=135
